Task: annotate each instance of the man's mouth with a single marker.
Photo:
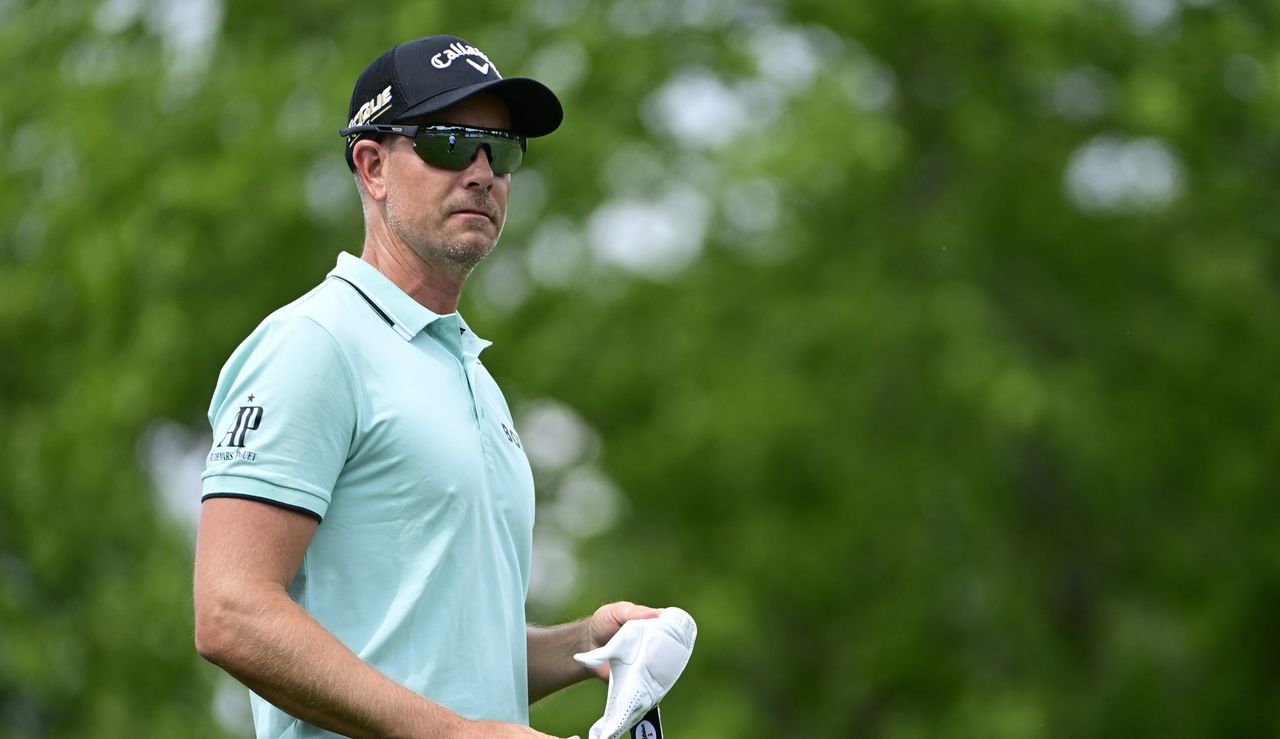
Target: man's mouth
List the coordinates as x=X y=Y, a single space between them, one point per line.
x=475 y=212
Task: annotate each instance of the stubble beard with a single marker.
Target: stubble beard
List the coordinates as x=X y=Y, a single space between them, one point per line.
x=458 y=256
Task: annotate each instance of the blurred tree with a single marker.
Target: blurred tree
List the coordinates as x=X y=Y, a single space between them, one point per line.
x=930 y=343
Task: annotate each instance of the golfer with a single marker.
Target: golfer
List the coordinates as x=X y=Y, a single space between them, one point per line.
x=364 y=544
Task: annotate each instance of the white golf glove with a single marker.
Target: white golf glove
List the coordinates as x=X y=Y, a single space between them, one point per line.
x=645 y=658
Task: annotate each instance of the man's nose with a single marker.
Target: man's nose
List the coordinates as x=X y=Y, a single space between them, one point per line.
x=480 y=170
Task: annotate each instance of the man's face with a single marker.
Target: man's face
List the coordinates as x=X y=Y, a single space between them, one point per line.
x=450 y=218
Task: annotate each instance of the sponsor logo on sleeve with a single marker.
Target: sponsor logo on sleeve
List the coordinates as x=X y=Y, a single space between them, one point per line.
x=248 y=418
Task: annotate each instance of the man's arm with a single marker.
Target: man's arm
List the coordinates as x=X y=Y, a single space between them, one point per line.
x=247 y=553
x=551 y=649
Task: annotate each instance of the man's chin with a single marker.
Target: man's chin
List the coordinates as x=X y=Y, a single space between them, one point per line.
x=467 y=253
x=456 y=255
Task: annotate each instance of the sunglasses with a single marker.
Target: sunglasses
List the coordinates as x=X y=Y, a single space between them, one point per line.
x=454 y=147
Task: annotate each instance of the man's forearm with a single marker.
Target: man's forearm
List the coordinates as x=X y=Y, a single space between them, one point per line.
x=247 y=554
x=551 y=663
x=282 y=654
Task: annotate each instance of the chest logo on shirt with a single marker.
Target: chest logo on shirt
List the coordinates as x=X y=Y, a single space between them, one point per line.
x=512 y=436
x=248 y=418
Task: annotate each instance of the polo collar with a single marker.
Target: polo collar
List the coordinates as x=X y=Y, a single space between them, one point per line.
x=405 y=315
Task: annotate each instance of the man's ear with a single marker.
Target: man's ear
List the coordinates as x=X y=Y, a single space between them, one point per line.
x=371 y=159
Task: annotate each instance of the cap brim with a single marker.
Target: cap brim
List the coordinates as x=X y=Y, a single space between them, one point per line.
x=535 y=109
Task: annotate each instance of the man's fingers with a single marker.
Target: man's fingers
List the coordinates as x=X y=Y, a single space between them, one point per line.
x=608 y=619
x=625 y=611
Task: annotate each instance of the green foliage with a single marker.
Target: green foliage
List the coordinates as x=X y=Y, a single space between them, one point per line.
x=930 y=443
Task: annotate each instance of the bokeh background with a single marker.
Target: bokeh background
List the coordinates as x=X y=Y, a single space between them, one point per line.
x=926 y=351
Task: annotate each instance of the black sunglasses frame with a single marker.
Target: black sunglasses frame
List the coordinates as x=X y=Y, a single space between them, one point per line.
x=463 y=132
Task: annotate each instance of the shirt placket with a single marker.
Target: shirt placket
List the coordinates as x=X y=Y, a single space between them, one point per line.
x=451 y=337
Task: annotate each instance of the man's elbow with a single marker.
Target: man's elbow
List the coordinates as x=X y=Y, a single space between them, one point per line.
x=216 y=633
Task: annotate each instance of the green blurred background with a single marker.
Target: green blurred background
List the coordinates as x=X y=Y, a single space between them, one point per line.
x=924 y=350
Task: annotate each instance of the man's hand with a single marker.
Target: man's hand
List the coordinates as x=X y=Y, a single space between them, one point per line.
x=645 y=659
x=551 y=648
x=606 y=621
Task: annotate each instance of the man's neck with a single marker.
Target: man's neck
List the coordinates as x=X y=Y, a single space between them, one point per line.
x=436 y=288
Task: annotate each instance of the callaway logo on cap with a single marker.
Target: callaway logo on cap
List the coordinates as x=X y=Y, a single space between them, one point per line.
x=426 y=75
x=460 y=50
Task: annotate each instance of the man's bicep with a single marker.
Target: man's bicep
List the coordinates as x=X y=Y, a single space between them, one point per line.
x=243 y=543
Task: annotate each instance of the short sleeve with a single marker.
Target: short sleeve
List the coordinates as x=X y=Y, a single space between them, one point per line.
x=283 y=417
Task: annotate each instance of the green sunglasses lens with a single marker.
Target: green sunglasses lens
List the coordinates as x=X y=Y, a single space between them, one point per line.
x=443 y=151
x=505 y=156
x=456 y=151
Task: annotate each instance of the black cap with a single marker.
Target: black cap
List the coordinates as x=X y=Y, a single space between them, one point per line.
x=429 y=74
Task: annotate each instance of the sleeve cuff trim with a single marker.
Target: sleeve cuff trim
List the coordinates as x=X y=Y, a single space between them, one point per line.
x=261 y=499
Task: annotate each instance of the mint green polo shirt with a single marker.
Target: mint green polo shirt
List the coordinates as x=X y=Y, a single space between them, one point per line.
x=359 y=407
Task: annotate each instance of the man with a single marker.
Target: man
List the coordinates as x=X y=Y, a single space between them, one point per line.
x=363 y=553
